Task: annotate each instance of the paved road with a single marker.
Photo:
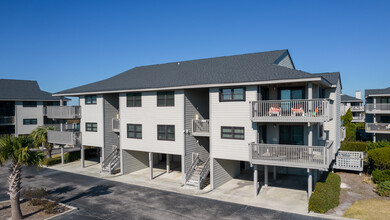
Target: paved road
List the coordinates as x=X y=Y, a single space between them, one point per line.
x=103 y=199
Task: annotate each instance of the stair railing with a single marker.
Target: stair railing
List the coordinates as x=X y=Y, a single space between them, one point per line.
x=191 y=170
x=112 y=156
x=203 y=174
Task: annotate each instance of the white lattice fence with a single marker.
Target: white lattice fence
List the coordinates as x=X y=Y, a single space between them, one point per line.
x=349 y=160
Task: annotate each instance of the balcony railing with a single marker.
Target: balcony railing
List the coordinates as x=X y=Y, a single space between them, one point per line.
x=357 y=108
x=64 y=137
x=62 y=112
x=116 y=125
x=378 y=128
x=315 y=157
x=358 y=118
x=378 y=108
x=201 y=127
x=65 y=127
x=304 y=110
x=7 y=120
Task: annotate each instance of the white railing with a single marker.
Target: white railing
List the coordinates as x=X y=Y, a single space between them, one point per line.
x=64 y=137
x=378 y=127
x=190 y=171
x=357 y=108
x=200 y=127
x=376 y=108
x=343 y=133
x=203 y=174
x=116 y=125
x=62 y=112
x=349 y=160
x=112 y=160
x=291 y=155
x=359 y=118
x=303 y=110
x=65 y=127
x=7 y=120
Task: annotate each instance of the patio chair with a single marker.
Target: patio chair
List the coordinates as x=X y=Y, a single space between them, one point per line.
x=297 y=111
x=274 y=111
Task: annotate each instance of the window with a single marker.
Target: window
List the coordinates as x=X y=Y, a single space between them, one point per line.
x=321 y=93
x=134 y=131
x=291 y=93
x=30 y=121
x=29 y=104
x=166 y=132
x=90 y=99
x=233 y=133
x=384 y=100
x=53 y=103
x=91 y=126
x=231 y=94
x=134 y=99
x=321 y=131
x=263 y=93
x=291 y=134
x=166 y=98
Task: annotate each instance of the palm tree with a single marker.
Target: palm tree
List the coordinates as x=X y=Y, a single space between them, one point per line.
x=39 y=136
x=16 y=150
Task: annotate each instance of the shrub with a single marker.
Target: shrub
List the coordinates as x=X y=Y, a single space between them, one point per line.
x=383 y=189
x=52 y=161
x=379 y=158
x=380 y=176
x=354 y=146
x=72 y=156
x=35 y=193
x=376 y=145
x=326 y=194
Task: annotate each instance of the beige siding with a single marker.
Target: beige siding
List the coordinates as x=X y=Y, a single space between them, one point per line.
x=94 y=114
x=231 y=114
x=149 y=115
x=27 y=113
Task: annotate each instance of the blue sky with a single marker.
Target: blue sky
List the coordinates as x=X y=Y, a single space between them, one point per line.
x=63 y=44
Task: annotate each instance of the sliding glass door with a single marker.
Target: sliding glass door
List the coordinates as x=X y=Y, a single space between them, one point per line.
x=291 y=134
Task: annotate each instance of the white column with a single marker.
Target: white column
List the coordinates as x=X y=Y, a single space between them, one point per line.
x=168 y=163
x=274 y=173
x=310 y=94
x=309 y=183
x=151 y=165
x=82 y=156
x=62 y=154
x=265 y=176
x=255 y=179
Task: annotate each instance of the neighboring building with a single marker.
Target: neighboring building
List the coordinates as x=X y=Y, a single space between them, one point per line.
x=378 y=113
x=355 y=104
x=220 y=116
x=22 y=105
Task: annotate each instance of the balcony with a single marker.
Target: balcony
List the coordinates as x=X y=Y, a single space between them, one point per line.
x=304 y=110
x=62 y=112
x=383 y=128
x=116 y=125
x=358 y=118
x=300 y=156
x=383 y=108
x=64 y=137
x=201 y=127
x=7 y=120
x=357 y=108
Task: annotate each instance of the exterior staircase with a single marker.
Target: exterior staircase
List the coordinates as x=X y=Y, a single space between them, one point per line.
x=198 y=172
x=112 y=161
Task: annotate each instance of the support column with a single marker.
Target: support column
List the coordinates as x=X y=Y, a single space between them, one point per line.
x=62 y=154
x=82 y=156
x=265 y=176
x=168 y=163
x=274 y=173
x=151 y=165
x=309 y=183
x=255 y=179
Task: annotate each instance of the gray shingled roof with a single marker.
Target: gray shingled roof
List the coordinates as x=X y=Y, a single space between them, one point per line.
x=220 y=70
x=368 y=92
x=11 y=89
x=347 y=98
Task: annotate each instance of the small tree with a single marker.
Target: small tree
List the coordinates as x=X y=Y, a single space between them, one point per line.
x=347 y=118
x=17 y=151
x=39 y=136
x=350 y=133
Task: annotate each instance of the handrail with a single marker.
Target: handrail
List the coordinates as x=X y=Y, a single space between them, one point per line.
x=204 y=172
x=107 y=162
x=7 y=119
x=381 y=127
x=62 y=112
x=191 y=170
x=377 y=107
x=200 y=125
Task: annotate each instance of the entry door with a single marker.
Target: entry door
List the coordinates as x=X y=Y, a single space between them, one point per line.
x=291 y=134
x=262 y=132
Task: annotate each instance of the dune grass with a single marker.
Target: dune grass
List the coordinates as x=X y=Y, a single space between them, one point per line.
x=369 y=209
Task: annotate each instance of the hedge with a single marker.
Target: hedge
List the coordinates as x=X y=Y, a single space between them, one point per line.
x=376 y=145
x=383 y=189
x=380 y=176
x=354 y=146
x=326 y=194
x=68 y=157
x=379 y=158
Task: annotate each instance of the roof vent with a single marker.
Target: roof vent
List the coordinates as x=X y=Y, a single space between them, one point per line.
x=178 y=63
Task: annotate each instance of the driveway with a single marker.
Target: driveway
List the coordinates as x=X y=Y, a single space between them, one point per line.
x=104 y=199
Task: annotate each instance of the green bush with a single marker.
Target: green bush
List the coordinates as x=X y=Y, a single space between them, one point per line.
x=52 y=161
x=354 y=146
x=376 y=145
x=68 y=157
x=380 y=176
x=379 y=158
x=326 y=194
x=383 y=189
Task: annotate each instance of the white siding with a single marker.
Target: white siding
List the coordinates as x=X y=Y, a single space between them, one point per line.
x=231 y=114
x=149 y=115
x=27 y=113
x=94 y=114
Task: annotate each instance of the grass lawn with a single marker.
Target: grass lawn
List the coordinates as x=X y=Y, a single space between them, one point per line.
x=369 y=209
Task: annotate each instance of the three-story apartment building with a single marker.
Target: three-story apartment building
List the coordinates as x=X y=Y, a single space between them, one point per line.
x=215 y=117
x=355 y=104
x=22 y=105
x=378 y=113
